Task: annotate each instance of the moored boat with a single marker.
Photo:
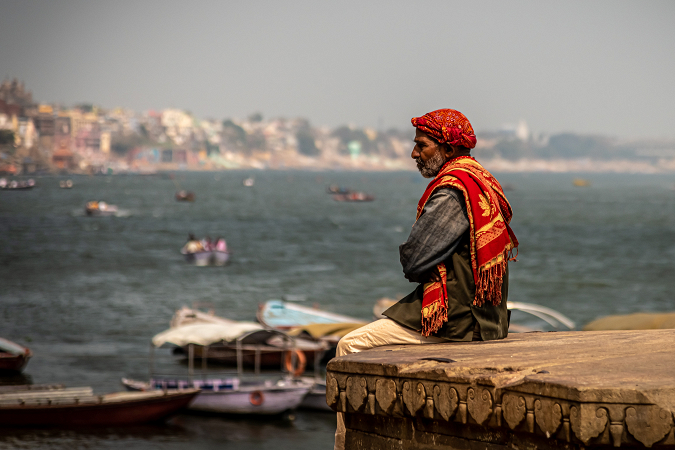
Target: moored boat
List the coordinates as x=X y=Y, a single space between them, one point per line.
x=236 y=394
x=13 y=357
x=284 y=315
x=80 y=407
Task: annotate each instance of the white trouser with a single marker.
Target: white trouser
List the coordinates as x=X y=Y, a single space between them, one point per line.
x=375 y=334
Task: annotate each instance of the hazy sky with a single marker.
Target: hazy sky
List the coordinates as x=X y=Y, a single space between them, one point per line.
x=590 y=67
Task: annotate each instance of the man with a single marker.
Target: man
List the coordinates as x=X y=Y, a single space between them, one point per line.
x=458 y=249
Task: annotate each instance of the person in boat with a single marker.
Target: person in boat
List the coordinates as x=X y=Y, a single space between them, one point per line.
x=193 y=245
x=207 y=244
x=221 y=245
x=457 y=252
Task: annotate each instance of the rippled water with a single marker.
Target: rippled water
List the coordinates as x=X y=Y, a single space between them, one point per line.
x=87 y=294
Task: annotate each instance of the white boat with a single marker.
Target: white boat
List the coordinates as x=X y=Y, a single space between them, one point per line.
x=228 y=396
x=248 y=182
x=284 y=316
x=236 y=394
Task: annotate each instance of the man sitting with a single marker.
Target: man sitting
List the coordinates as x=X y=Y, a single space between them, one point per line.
x=458 y=249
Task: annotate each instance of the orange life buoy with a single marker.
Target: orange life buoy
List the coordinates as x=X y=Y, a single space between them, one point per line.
x=300 y=362
x=257 y=398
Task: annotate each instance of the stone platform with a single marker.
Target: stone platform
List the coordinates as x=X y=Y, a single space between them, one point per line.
x=567 y=390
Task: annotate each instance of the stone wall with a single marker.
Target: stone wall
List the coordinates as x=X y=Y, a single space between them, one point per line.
x=536 y=391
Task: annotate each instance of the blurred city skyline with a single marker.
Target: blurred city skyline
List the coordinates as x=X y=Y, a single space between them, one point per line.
x=593 y=68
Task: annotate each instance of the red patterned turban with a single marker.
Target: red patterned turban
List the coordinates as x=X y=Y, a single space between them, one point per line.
x=447 y=125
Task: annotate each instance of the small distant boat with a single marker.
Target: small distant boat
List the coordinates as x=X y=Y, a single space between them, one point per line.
x=13 y=357
x=66 y=184
x=580 y=182
x=248 y=182
x=185 y=196
x=99 y=208
x=335 y=189
x=80 y=407
x=17 y=185
x=353 y=197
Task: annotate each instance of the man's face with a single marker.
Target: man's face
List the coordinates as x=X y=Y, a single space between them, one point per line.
x=428 y=154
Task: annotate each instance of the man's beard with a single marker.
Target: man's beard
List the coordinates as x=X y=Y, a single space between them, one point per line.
x=433 y=165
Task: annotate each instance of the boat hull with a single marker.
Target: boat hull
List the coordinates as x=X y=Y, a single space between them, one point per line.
x=255 y=399
x=109 y=412
x=210 y=258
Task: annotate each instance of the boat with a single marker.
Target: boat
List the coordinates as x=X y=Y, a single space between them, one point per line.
x=17 y=185
x=634 y=321
x=248 y=182
x=185 y=196
x=258 y=346
x=66 y=184
x=581 y=182
x=353 y=197
x=99 y=208
x=79 y=406
x=235 y=394
x=206 y=257
x=316 y=397
x=336 y=189
x=284 y=316
x=13 y=357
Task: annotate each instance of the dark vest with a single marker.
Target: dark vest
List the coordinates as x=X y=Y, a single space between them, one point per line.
x=462 y=315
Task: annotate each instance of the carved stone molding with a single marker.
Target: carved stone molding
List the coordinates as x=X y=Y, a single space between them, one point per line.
x=597 y=424
x=513 y=409
x=588 y=421
x=648 y=424
x=445 y=400
x=413 y=397
x=385 y=393
x=332 y=391
x=548 y=414
x=479 y=405
x=356 y=392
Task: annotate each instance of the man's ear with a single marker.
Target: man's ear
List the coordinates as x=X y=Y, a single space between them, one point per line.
x=449 y=151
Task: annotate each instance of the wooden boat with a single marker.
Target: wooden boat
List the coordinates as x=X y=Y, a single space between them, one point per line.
x=13 y=357
x=185 y=196
x=232 y=397
x=80 y=407
x=353 y=197
x=236 y=394
x=284 y=315
x=254 y=345
x=99 y=208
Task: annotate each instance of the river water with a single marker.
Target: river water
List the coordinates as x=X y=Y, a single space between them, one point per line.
x=87 y=294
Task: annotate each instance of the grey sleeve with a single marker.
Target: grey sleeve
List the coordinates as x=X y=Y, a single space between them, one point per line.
x=436 y=234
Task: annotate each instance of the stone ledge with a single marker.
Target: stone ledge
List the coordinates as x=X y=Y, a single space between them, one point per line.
x=574 y=389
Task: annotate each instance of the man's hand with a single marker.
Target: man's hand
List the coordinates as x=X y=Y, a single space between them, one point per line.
x=432 y=275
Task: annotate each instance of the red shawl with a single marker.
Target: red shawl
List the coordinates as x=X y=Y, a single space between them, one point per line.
x=491 y=238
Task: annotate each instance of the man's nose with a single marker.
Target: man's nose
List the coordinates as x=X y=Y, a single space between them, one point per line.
x=415 y=153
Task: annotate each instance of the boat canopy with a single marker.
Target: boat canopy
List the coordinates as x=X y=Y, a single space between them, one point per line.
x=11 y=347
x=204 y=333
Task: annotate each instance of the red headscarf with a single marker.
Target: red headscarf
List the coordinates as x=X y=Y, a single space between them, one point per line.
x=447 y=125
